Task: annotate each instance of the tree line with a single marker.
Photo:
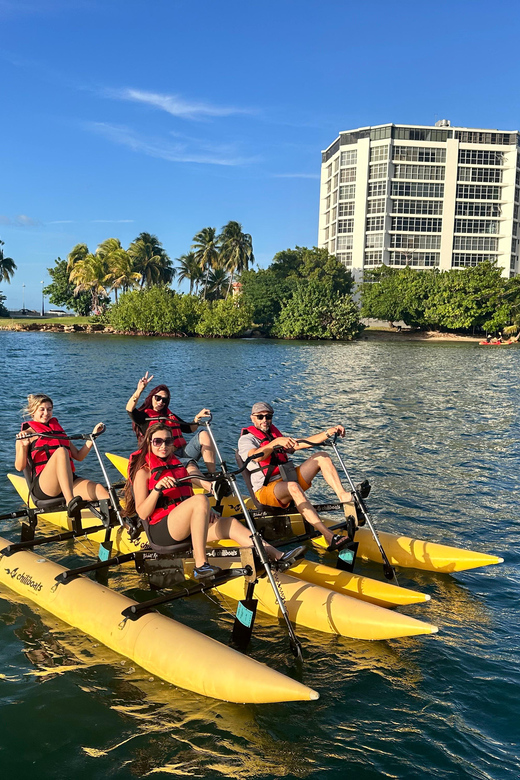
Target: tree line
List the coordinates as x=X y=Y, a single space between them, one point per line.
x=83 y=282
x=468 y=300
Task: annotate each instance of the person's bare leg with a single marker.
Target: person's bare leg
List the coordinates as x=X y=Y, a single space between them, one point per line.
x=208 y=451
x=56 y=477
x=191 y=517
x=89 y=490
x=291 y=491
x=321 y=461
x=231 y=528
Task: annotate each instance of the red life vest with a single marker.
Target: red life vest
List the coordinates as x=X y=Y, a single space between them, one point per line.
x=170 y=497
x=169 y=419
x=41 y=450
x=267 y=465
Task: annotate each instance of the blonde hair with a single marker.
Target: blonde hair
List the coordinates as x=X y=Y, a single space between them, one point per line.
x=34 y=401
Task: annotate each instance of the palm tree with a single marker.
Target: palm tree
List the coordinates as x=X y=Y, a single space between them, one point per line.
x=236 y=250
x=121 y=273
x=7 y=266
x=206 y=250
x=77 y=253
x=90 y=274
x=150 y=260
x=218 y=282
x=189 y=268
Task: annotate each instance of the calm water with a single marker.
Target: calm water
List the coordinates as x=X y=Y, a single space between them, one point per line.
x=435 y=428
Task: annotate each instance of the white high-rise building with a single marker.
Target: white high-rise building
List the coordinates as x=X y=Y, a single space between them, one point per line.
x=426 y=196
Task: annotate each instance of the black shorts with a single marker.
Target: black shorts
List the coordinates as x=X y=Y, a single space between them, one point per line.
x=160 y=535
x=38 y=493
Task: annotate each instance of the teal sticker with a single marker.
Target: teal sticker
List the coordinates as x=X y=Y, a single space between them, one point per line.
x=244 y=615
x=103 y=554
x=346 y=555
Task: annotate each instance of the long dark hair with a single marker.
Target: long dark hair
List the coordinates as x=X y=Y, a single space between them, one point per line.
x=137 y=461
x=147 y=404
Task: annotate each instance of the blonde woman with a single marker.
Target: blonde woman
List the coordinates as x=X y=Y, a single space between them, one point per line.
x=46 y=456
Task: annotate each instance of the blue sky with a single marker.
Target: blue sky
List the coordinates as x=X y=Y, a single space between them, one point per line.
x=166 y=116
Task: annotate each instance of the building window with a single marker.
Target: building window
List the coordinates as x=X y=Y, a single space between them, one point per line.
x=478 y=192
x=475 y=243
x=378 y=171
x=419 y=154
x=476 y=226
x=414 y=241
x=329 y=171
x=466 y=261
x=419 y=172
x=346 y=209
x=335 y=197
x=377 y=188
x=332 y=246
x=347 y=174
x=417 y=224
x=349 y=158
x=345 y=258
x=376 y=205
x=329 y=187
x=334 y=213
x=336 y=164
x=344 y=242
x=421 y=190
x=327 y=202
x=378 y=153
x=417 y=206
x=512 y=264
x=420 y=259
x=420 y=134
x=373 y=258
x=326 y=234
x=515 y=212
x=374 y=240
x=380 y=133
x=333 y=229
x=480 y=174
x=348 y=192
x=327 y=217
x=345 y=225
x=470 y=209
x=480 y=157
x=473 y=137
x=335 y=181
x=375 y=223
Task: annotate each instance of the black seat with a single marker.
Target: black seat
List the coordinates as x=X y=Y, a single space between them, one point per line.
x=167 y=549
x=272 y=510
x=39 y=503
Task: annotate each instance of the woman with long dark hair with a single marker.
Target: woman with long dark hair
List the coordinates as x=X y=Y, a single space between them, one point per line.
x=155 y=408
x=173 y=513
x=43 y=447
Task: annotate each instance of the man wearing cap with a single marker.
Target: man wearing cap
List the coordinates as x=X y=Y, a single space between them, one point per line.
x=268 y=470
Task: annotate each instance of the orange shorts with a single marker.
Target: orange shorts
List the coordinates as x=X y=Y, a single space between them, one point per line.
x=266 y=494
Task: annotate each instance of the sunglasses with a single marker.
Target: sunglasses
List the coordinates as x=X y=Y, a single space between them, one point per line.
x=158 y=442
x=264 y=416
x=161 y=399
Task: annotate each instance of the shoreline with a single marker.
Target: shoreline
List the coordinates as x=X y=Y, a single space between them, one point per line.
x=370 y=334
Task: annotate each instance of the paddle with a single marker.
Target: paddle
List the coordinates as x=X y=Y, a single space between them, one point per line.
x=230 y=477
x=388 y=569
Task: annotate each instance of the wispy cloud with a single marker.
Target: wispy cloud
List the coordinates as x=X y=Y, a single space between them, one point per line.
x=296 y=175
x=61 y=222
x=21 y=220
x=178 y=151
x=112 y=221
x=175 y=104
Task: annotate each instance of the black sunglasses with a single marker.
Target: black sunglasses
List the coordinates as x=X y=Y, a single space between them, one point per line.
x=264 y=416
x=158 y=442
x=161 y=398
